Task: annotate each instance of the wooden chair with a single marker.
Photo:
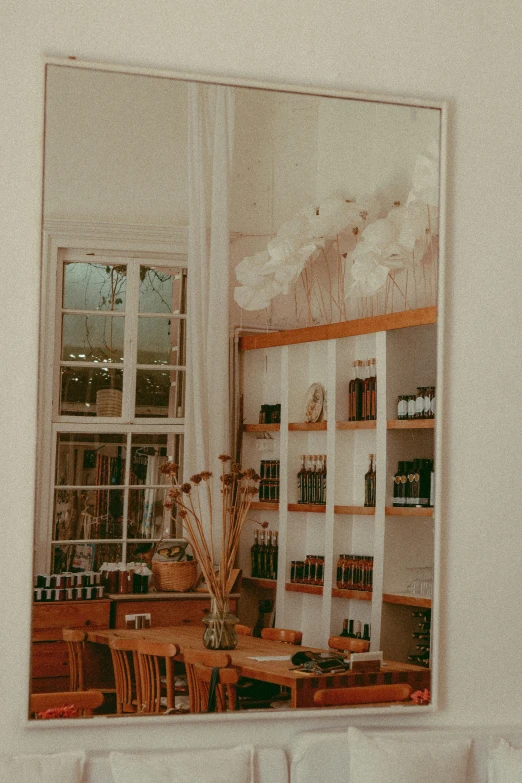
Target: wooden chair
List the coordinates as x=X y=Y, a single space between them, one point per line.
x=85 y=701
x=282 y=635
x=156 y=667
x=74 y=638
x=366 y=694
x=347 y=644
x=200 y=666
x=244 y=630
x=124 y=653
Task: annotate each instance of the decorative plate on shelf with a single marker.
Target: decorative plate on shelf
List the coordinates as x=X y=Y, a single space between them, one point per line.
x=314 y=401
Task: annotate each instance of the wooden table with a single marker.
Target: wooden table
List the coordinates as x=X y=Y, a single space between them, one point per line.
x=302 y=686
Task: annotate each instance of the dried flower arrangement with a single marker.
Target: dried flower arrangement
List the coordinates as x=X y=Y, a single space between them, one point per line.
x=184 y=500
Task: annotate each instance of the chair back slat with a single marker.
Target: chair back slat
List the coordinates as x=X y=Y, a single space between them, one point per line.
x=200 y=666
x=124 y=653
x=286 y=635
x=85 y=701
x=347 y=644
x=74 y=639
x=152 y=658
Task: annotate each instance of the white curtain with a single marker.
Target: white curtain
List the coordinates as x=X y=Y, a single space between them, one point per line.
x=207 y=434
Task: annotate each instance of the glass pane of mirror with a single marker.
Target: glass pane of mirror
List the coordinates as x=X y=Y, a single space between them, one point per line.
x=333 y=217
x=84 y=557
x=162 y=290
x=94 y=286
x=90 y=391
x=93 y=338
x=159 y=341
x=160 y=393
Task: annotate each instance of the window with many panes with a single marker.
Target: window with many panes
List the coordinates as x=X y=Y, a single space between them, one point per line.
x=117 y=406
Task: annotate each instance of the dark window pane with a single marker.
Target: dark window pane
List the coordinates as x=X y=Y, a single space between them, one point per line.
x=79 y=391
x=94 y=286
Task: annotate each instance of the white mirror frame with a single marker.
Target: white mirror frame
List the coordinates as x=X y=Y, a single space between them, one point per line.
x=55 y=234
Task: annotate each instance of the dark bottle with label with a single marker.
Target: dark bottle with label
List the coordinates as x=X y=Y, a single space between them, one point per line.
x=275 y=555
x=369 y=484
x=414 y=481
x=261 y=562
x=254 y=554
x=351 y=393
x=366 y=391
x=399 y=487
x=344 y=632
x=424 y=482
x=366 y=632
x=301 y=481
x=358 y=392
x=373 y=379
x=351 y=633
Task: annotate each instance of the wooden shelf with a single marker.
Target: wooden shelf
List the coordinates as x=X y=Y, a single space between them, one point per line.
x=356 y=425
x=356 y=595
x=264 y=506
x=366 y=511
x=266 y=584
x=396 y=511
x=307 y=426
x=378 y=323
x=293 y=587
x=410 y=424
x=261 y=427
x=316 y=509
x=406 y=600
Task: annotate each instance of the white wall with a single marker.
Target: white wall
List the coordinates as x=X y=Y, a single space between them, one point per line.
x=466 y=53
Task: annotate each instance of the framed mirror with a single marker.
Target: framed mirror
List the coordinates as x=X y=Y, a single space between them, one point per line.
x=286 y=244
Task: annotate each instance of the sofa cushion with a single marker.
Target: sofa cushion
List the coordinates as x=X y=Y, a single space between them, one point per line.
x=374 y=759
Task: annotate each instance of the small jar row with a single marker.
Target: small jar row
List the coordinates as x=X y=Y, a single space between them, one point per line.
x=309 y=571
x=41 y=594
x=417 y=406
x=355 y=572
x=68 y=580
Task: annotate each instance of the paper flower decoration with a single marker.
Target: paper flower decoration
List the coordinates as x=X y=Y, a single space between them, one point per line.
x=421 y=697
x=385 y=245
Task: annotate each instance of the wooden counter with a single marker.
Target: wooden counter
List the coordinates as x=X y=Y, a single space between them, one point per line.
x=164 y=608
x=49 y=659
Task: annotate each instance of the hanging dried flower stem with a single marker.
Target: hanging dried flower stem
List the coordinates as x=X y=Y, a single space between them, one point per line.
x=238 y=488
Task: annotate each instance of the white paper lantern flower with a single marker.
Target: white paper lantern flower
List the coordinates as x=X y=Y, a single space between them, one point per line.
x=426 y=177
x=333 y=216
x=367 y=275
x=252 y=270
x=257 y=297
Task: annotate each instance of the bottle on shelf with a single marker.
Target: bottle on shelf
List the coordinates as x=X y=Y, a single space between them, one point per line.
x=351 y=633
x=351 y=393
x=369 y=484
x=366 y=392
x=358 y=392
x=358 y=632
x=373 y=384
x=399 y=486
x=301 y=481
x=366 y=632
x=254 y=554
x=344 y=632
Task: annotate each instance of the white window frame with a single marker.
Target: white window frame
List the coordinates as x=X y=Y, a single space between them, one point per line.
x=155 y=243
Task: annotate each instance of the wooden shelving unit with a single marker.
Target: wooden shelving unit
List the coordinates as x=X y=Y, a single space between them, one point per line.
x=410 y=424
x=355 y=425
x=407 y=600
x=294 y=587
x=265 y=584
x=264 y=506
x=405 y=350
x=307 y=507
x=366 y=511
x=261 y=427
x=396 y=511
x=307 y=426
x=353 y=595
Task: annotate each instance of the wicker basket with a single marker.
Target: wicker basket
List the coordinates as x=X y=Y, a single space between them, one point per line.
x=108 y=402
x=172 y=576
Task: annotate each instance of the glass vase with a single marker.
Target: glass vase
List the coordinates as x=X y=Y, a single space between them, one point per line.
x=220 y=633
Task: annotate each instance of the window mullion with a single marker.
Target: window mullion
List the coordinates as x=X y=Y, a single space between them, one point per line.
x=131 y=341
